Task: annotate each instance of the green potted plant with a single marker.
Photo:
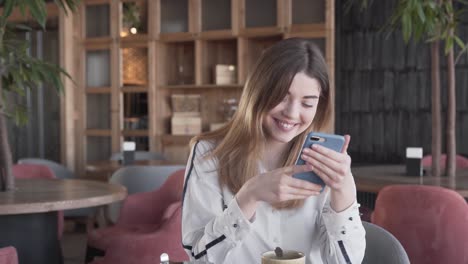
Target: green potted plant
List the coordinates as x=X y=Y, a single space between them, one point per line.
x=20 y=72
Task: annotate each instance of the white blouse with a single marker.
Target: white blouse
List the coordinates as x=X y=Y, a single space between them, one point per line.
x=216 y=233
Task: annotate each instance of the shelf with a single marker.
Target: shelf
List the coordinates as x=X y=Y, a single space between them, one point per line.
x=261 y=13
x=174 y=16
x=134 y=89
x=184 y=47
x=203 y=86
x=261 y=32
x=98 y=90
x=178 y=63
x=216 y=15
x=98 y=114
x=135 y=111
x=215 y=52
x=135 y=133
x=308 y=12
x=132 y=39
x=134 y=18
x=98 y=68
x=168 y=139
x=134 y=66
x=97 y=43
x=177 y=37
x=217 y=34
x=318 y=30
x=97 y=20
x=255 y=47
x=98 y=132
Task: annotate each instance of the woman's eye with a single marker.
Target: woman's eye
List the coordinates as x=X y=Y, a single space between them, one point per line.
x=308 y=105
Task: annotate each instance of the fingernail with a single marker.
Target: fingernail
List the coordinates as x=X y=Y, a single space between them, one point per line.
x=315 y=146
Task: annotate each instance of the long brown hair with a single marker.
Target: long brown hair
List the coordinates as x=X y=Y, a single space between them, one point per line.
x=239 y=144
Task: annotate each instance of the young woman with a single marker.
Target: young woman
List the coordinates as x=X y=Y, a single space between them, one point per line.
x=239 y=197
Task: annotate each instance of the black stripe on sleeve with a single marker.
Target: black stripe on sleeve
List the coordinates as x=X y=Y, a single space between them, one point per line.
x=212 y=243
x=208 y=246
x=343 y=251
x=189 y=172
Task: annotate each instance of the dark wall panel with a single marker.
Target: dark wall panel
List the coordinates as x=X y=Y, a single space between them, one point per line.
x=383 y=87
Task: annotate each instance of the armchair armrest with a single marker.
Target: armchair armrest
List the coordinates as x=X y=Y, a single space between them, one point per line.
x=144 y=208
x=139 y=208
x=146 y=248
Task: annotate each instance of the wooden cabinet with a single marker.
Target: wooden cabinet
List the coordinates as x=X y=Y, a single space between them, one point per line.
x=138 y=53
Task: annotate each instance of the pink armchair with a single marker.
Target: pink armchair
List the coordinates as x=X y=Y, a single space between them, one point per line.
x=461 y=162
x=28 y=171
x=429 y=221
x=148 y=225
x=8 y=255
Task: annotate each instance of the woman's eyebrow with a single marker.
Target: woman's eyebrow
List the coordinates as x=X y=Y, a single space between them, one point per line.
x=310 y=97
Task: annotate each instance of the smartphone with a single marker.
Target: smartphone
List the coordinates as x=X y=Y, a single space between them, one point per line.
x=334 y=142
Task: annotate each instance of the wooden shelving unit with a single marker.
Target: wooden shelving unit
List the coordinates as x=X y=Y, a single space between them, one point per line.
x=128 y=79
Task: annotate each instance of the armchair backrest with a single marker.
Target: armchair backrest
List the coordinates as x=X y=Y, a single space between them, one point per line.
x=59 y=170
x=8 y=255
x=173 y=186
x=429 y=221
x=382 y=247
x=140 y=155
x=28 y=171
x=141 y=179
x=461 y=162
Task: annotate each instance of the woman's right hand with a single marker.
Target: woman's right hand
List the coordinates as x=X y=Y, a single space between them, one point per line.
x=273 y=187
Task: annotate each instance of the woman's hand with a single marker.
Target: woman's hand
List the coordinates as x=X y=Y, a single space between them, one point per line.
x=274 y=187
x=334 y=169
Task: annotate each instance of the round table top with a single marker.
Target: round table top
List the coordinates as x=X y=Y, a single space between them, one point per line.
x=375 y=177
x=44 y=195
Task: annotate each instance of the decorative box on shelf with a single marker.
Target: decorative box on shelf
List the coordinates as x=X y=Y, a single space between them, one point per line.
x=186 y=123
x=185 y=103
x=215 y=126
x=225 y=74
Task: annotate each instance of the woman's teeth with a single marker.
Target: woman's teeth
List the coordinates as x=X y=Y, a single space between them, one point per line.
x=285 y=125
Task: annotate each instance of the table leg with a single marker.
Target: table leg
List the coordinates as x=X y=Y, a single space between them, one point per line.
x=33 y=235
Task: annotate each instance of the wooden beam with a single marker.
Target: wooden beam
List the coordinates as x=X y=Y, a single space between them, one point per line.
x=67 y=113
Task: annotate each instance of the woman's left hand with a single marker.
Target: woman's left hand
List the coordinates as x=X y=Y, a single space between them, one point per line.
x=334 y=168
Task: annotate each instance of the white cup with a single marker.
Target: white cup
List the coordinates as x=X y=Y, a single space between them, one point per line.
x=289 y=257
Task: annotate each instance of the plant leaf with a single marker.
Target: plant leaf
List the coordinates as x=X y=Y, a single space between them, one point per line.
x=8 y=8
x=459 y=42
x=38 y=11
x=20 y=115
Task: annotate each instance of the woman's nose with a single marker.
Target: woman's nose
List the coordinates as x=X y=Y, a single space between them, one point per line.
x=291 y=110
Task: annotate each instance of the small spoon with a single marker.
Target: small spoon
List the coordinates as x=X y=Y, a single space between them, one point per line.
x=278 y=252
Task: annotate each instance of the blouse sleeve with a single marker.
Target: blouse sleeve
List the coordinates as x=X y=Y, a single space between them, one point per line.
x=209 y=231
x=342 y=234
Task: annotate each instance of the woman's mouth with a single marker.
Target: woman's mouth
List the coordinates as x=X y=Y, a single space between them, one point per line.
x=284 y=125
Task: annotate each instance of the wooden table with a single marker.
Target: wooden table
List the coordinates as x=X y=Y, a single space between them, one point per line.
x=373 y=178
x=28 y=215
x=102 y=170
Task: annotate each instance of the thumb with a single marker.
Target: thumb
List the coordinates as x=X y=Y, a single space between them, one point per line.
x=346 y=144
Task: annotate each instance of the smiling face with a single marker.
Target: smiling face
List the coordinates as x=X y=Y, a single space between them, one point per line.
x=295 y=113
